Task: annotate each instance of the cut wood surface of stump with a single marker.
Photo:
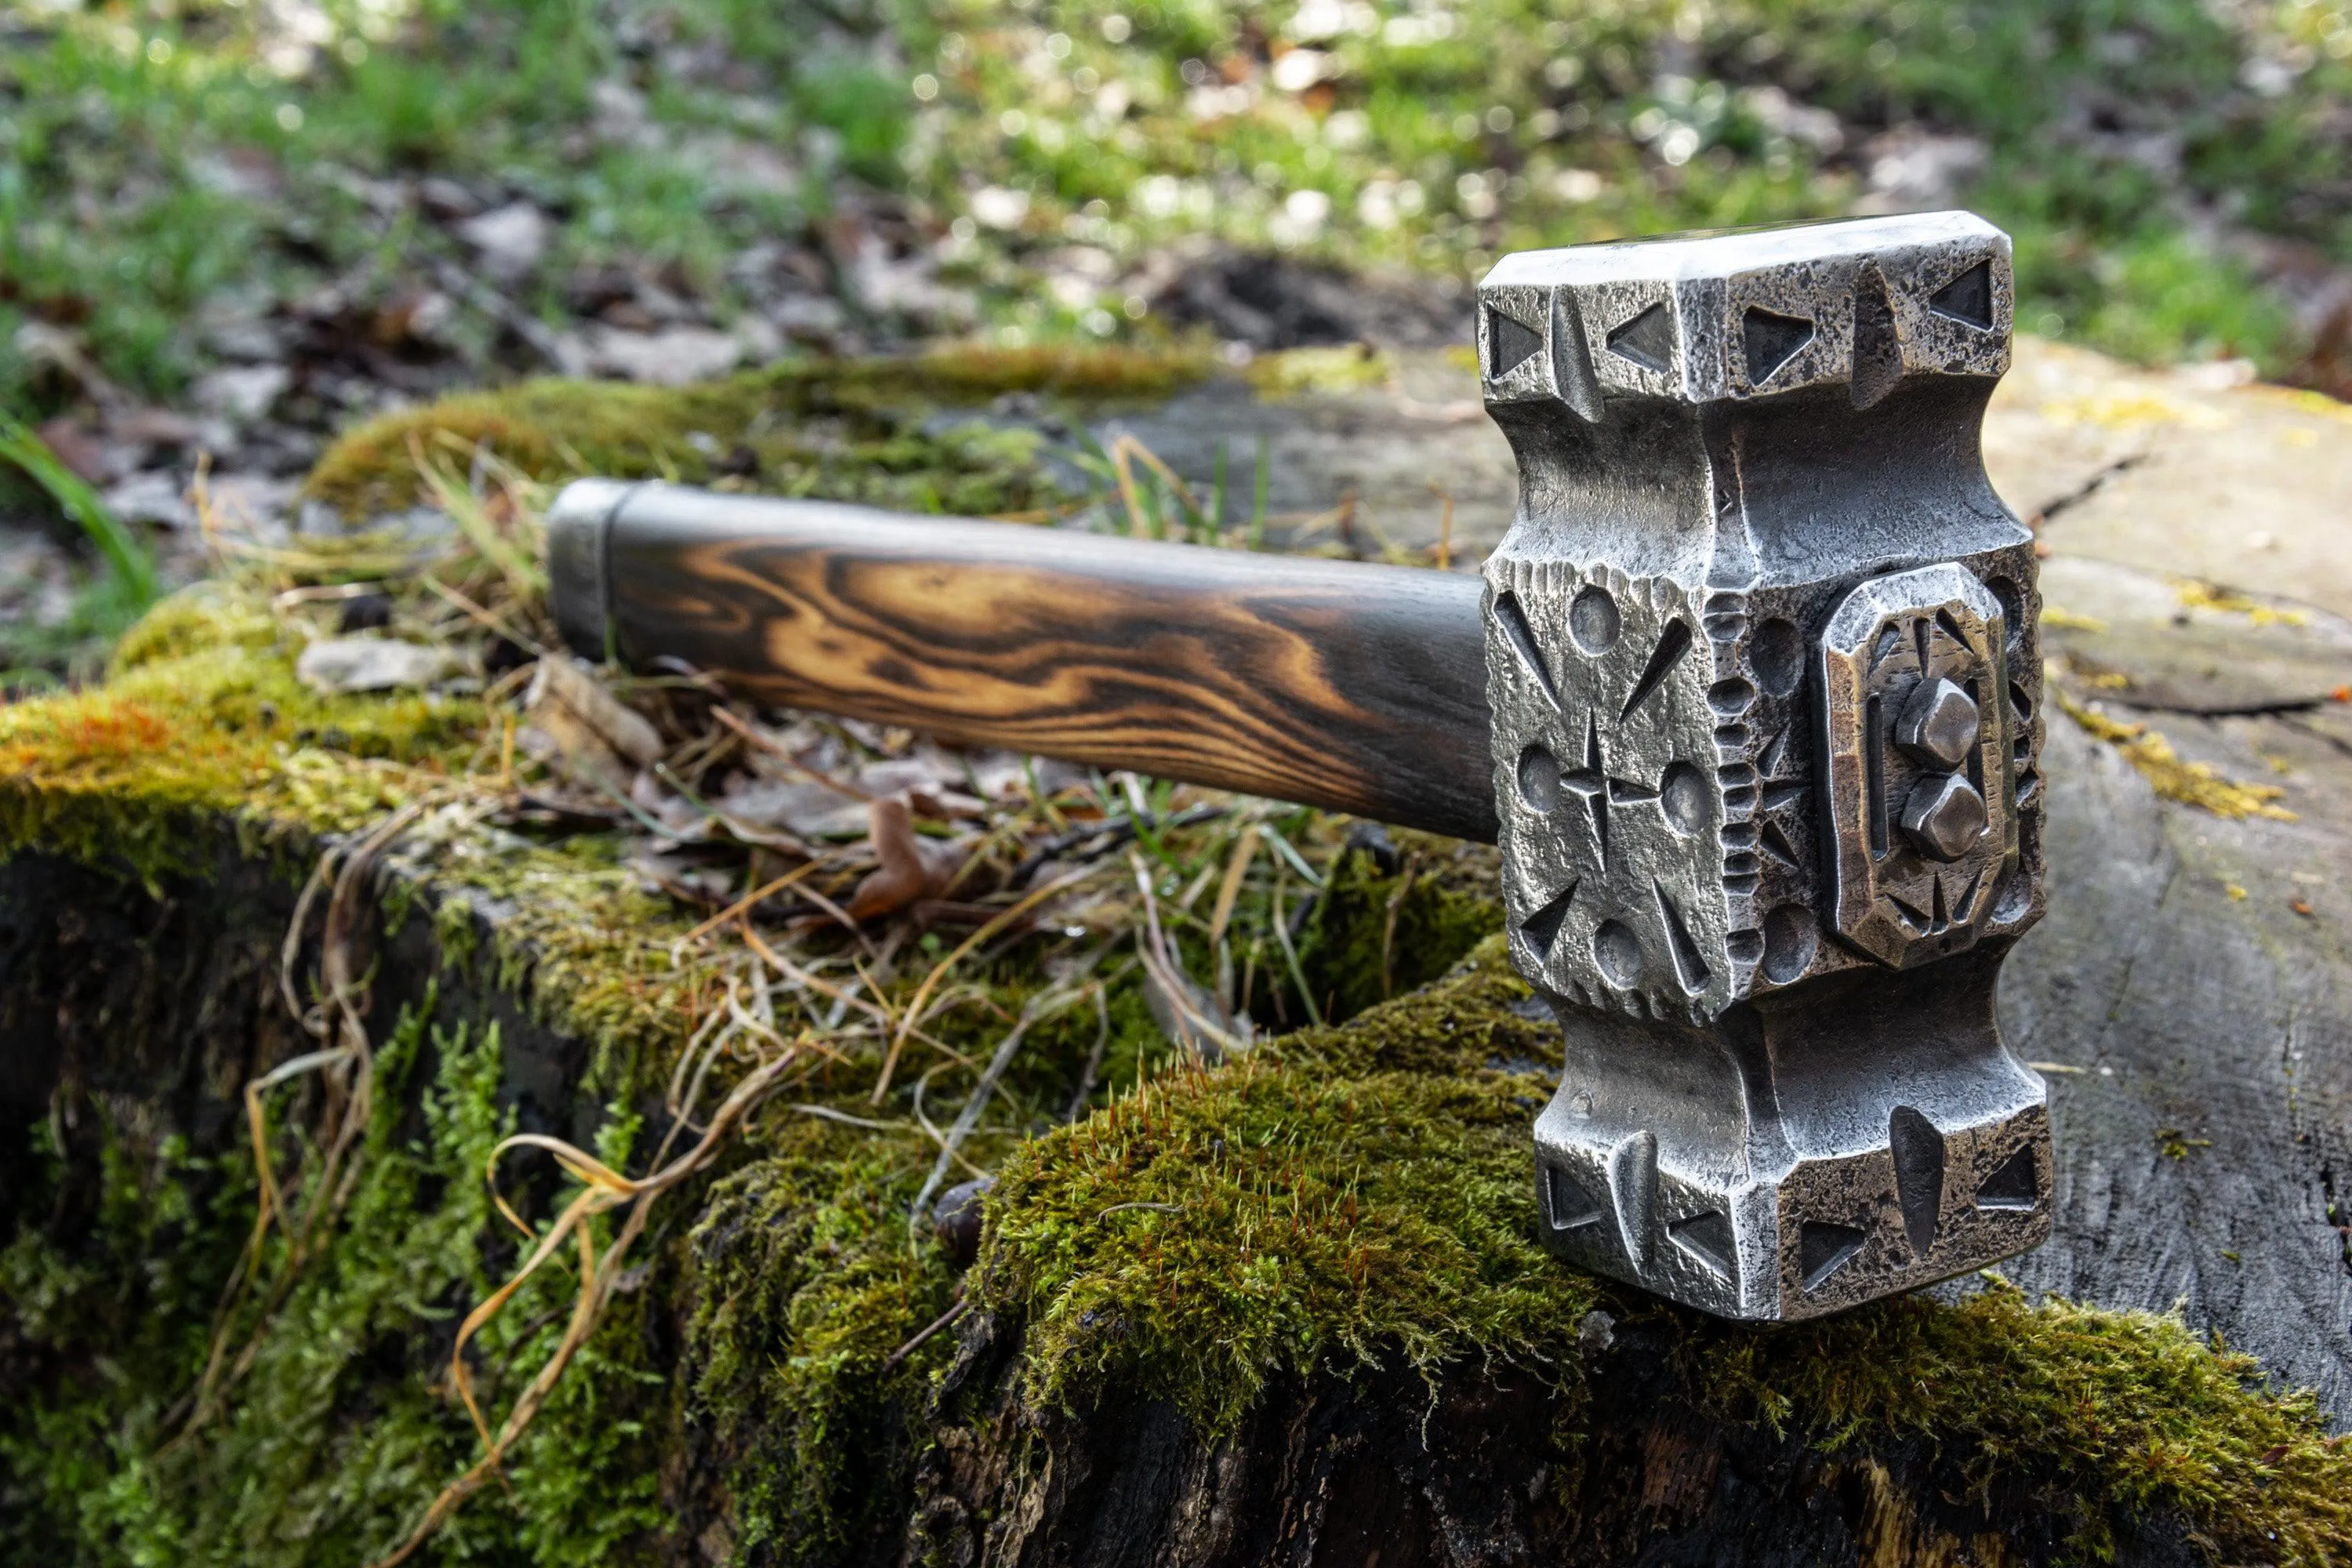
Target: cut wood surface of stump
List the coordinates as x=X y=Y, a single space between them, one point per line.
x=1284 y=1307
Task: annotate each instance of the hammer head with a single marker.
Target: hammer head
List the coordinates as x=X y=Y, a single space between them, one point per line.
x=1766 y=693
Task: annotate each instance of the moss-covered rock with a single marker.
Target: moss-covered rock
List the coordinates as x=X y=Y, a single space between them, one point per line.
x=1287 y=1308
x=900 y=433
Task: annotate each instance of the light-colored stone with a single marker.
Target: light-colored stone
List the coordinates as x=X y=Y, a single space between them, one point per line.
x=334 y=665
x=674 y=356
x=510 y=240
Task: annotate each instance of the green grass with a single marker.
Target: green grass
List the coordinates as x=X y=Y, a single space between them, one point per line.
x=123 y=588
x=1433 y=139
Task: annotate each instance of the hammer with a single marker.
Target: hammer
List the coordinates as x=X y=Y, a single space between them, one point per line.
x=1750 y=698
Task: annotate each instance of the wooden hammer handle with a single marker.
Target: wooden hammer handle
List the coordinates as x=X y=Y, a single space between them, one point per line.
x=1332 y=683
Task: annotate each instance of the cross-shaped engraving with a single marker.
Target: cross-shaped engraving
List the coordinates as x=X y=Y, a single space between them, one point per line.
x=1592 y=784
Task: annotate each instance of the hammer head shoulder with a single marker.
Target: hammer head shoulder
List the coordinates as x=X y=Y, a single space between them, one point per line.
x=1766 y=694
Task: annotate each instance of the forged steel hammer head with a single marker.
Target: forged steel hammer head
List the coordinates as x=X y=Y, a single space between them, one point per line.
x=1761 y=654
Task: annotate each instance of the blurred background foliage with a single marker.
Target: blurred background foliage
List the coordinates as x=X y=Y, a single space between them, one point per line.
x=2175 y=172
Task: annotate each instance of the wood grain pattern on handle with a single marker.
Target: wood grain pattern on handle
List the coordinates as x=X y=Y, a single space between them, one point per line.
x=1338 y=684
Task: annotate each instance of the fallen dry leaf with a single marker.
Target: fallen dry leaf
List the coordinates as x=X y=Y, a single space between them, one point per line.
x=910 y=868
x=584 y=730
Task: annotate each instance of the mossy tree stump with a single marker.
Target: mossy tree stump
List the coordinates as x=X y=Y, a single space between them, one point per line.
x=1287 y=1309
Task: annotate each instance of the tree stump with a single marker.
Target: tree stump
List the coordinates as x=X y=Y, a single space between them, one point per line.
x=1148 y=1366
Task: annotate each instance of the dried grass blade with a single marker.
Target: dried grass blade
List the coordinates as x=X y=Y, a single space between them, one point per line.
x=524 y=578
x=752 y=900
x=1039 y=1008
x=606 y=1189
x=930 y=982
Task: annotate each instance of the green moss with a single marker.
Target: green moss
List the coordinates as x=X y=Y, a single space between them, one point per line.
x=806 y=1278
x=1361 y=1194
x=202 y=616
x=1197 y=1238
x=338 y=1433
x=864 y=431
x=1376 y=934
x=2130 y=1413
x=203 y=724
x=1344 y=1195
x=117 y=773
x=1352 y=367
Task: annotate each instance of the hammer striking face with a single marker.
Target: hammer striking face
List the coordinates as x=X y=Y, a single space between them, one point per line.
x=1761 y=660
x=1751 y=697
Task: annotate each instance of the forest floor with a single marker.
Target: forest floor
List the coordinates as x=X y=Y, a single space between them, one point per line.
x=229 y=228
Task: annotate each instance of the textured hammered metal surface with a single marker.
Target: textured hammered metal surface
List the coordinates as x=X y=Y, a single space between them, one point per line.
x=1762 y=661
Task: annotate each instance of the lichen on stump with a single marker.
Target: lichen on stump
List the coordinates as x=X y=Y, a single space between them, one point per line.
x=1288 y=1308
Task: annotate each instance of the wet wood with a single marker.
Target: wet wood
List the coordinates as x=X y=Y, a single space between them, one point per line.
x=1357 y=687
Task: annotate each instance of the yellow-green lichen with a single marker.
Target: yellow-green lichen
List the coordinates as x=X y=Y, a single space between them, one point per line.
x=2171 y=776
x=117 y=773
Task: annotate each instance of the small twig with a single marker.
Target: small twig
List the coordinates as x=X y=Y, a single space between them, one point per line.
x=1156 y=1208
x=487 y=618
x=800 y=976
x=1094 y=1058
x=827 y=1114
x=914 y=1009
x=1039 y=1008
x=943 y=1320
x=840 y=917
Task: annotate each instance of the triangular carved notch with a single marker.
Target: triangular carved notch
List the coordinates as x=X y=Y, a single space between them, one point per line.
x=1542 y=928
x=1568 y=1205
x=1966 y=299
x=1509 y=345
x=1708 y=1237
x=1689 y=967
x=1771 y=341
x=2016 y=1185
x=1521 y=637
x=1648 y=339
x=1673 y=643
x=1824 y=1248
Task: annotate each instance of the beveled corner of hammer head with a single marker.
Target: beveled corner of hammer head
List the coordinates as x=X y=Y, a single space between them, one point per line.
x=1766 y=696
x=1857 y=305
